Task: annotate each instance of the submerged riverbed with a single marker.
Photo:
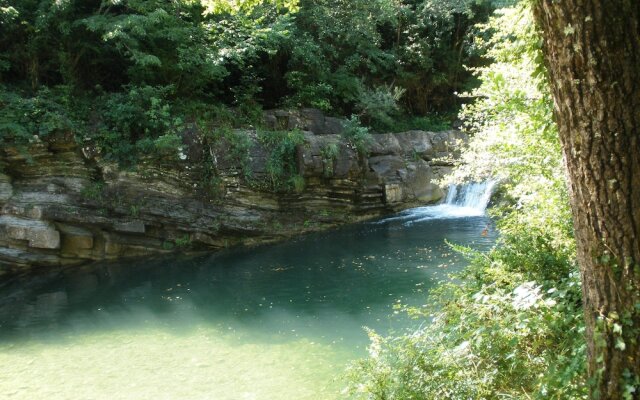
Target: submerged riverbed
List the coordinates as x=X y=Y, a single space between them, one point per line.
x=273 y=322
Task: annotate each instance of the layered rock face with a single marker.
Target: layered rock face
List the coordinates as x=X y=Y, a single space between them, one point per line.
x=61 y=203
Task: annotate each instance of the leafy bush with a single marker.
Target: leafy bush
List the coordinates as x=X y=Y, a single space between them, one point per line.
x=298 y=183
x=136 y=70
x=500 y=333
x=357 y=135
x=183 y=242
x=329 y=154
x=24 y=118
x=418 y=46
x=379 y=106
x=93 y=191
x=141 y=120
x=281 y=163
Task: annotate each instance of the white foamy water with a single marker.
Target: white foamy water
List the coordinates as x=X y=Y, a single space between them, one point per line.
x=474 y=196
x=469 y=200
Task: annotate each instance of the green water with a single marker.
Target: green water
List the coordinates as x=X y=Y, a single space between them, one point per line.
x=273 y=322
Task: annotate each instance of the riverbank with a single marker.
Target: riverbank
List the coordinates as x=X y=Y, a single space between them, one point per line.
x=62 y=203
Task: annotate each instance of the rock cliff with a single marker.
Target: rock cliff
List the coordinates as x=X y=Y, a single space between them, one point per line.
x=61 y=203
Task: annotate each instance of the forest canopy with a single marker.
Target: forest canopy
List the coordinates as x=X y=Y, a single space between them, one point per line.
x=123 y=71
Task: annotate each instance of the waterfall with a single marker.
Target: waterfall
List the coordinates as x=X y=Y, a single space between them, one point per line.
x=472 y=195
x=468 y=200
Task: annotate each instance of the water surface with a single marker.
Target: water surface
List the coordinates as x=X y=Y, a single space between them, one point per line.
x=272 y=322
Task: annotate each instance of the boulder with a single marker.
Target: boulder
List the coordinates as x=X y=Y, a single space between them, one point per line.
x=76 y=241
x=38 y=234
x=393 y=194
x=416 y=144
x=385 y=144
x=387 y=166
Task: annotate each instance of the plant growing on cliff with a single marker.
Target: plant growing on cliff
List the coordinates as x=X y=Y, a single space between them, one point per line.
x=379 y=106
x=94 y=191
x=229 y=149
x=329 y=154
x=357 y=135
x=25 y=118
x=183 y=242
x=298 y=183
x=281 y=164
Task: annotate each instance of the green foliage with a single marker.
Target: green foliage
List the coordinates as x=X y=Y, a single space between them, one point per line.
x=134 y=71
x=226 y=149
x=496 y=335
x=329 y=154
x=281 y=164
x=298 y=183
x=219 y=6
x=231 y=148
x=379 y=106
x=389 y=48
x=511 y=326
x=134 y=210
x=357 y=135
x=138 y=121
x=183 y=242
x=94 y=191
x=26 y=119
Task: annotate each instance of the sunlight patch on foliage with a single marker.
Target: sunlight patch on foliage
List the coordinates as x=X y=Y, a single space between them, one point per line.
x=511 y=325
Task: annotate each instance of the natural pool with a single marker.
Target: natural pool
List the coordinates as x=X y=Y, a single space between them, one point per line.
x=274 y=322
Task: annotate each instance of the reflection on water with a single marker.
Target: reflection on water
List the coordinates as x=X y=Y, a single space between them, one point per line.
x=273 y=322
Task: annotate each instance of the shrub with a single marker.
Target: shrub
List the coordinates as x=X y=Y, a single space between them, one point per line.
x=298 y=183
x=25 y=118
x=281 y=163
x=137 y=121
x=379 y=106
x=93 y=191
x=183 y=242
x=329 y=154
x=230 y=147
x=500 y=332
x=357 y=135
x=165 y=147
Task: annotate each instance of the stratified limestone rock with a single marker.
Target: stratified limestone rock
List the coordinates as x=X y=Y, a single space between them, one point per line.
x=393 y=193
x=6 y=190
x=76 y=242
x=63 y=204
x=307 y=119
x=15 y=258
x=135 y=226
x=38 y=234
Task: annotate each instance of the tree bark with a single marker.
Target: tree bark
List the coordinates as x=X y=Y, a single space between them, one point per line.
x=592 y=52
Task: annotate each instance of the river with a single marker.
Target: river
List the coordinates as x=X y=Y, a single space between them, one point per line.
x=273 y=322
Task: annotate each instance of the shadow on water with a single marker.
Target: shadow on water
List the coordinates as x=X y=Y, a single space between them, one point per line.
x=325 y=285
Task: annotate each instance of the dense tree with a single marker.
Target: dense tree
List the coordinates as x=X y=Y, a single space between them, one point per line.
x=226 y=51
x=592 y=50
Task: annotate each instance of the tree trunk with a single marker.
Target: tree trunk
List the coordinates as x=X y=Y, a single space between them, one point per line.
x=592 y=52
